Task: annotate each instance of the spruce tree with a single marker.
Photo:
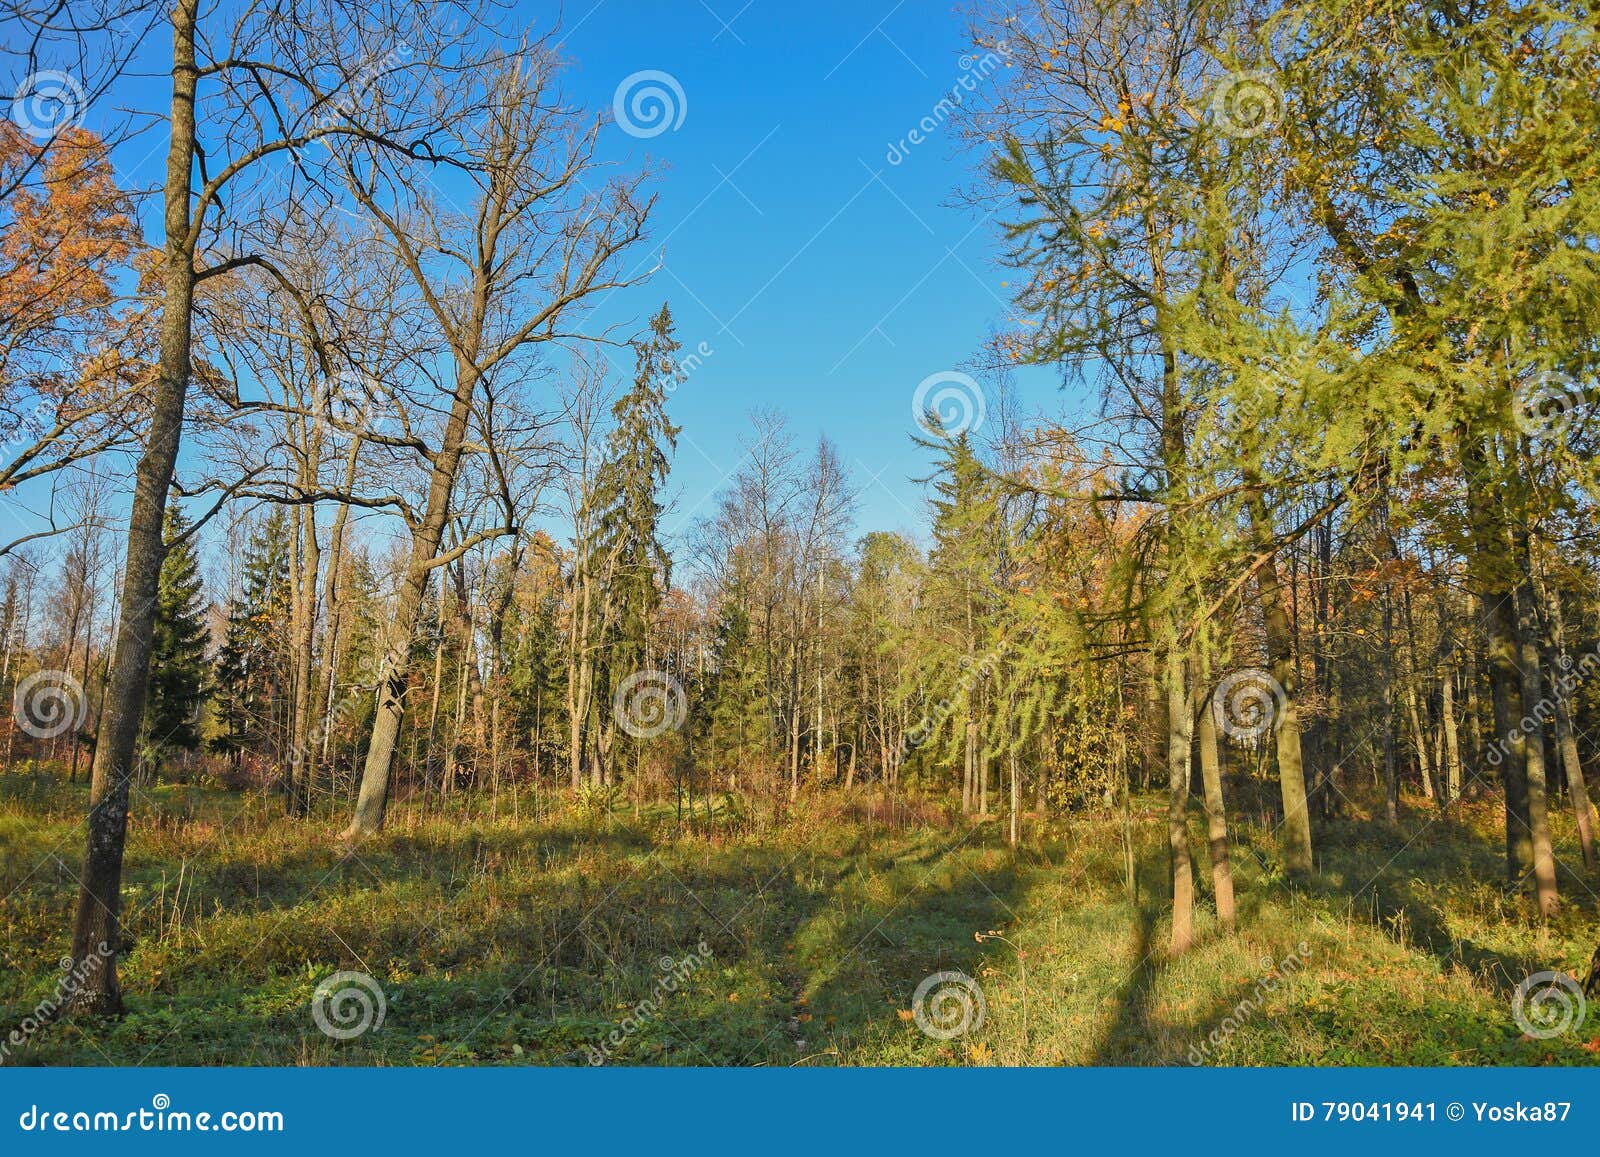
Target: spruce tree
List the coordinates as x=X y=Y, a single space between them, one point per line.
x=733 y=720
x=535 y=671
x=230 y=694
x=179 y=670
x=961 y=594
x=638 y=457
x=252 y=667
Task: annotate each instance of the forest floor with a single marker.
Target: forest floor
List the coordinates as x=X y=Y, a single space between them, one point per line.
x=533 y=940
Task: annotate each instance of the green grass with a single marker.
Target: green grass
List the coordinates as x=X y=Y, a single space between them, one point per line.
x=529 y=941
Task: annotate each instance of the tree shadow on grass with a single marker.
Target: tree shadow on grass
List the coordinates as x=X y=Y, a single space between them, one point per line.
x=1401 y=894
x=858 y=959
x=1412 y=920
x=1128 y=1034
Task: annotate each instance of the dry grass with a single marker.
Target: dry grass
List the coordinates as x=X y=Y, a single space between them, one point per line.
x=532 y=939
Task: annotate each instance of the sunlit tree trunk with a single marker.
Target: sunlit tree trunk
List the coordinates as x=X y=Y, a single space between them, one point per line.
x=373 y=798
x=1295 y=835
x=1216 y=816
x=1178 y=746
x=1536 y=709
x=96 y=929
x=302 y=746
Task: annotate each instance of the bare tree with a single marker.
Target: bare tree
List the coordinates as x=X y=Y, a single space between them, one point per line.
x=252 y=100
x=502 y=279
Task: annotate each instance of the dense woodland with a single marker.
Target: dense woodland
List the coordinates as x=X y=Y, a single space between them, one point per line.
x=349 y=498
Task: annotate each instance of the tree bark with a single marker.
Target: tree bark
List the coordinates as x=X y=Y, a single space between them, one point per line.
x=96 y=929
x=1491 y=574
x=1447 y=712
x=1554 y=628
x=373 y=798
x=1535 y=709
x=1420 y=739
x=1295 y=836
x=1216 y=817
x=1016 y=798
x=1178 y=745
x=1577 y=787
x=305 y=636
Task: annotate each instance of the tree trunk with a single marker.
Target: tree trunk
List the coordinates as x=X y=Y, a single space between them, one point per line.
x=580 y=670
x=1178 y=742
x=1295 y=836
x=983 y=775
x=1391 y=766
x=1563 y=682
x=1419 y=738
x=1491 y=572
x=795 y=709
x=1016 y=798
x=374 y=795
x=1216 y=817
x=466 y=613
x=1577 y=787
x=1474 y=706
x=1452 y=739
x=305 y=635
x=96 y=929
x=1535 y=708
x=497 y=676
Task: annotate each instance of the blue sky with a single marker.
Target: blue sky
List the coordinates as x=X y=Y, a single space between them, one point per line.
x=827 y=281
x=824 y=280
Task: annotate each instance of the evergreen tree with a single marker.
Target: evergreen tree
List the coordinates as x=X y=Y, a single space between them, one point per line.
x=361 y=625
x=252 y=664
x=229 y=697
x=536 y=672
x=732 y=704
x=179 y=671
x=962 y=568
x=638 y=457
